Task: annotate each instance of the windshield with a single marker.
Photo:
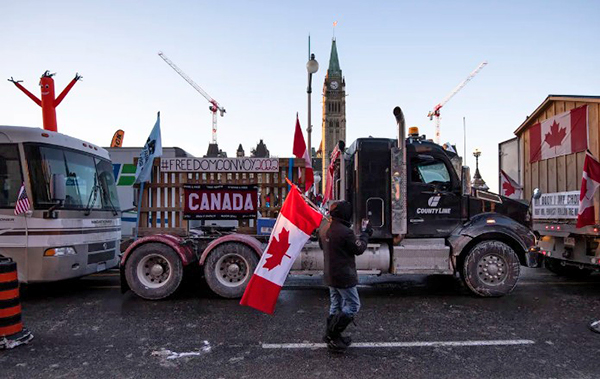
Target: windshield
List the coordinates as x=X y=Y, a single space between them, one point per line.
x=90 y=182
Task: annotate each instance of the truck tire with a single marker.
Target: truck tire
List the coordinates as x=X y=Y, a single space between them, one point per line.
x=228 y=269
x=153 y=271
x=491 y=269
x=555 y=266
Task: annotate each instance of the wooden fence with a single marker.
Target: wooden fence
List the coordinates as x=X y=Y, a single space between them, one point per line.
x=161 y=208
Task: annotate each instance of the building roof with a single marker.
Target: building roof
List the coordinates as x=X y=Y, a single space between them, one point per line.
x=550 y=98
x=334 y=63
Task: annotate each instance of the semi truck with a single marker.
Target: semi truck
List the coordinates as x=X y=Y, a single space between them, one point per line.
x=71 y=226
x=426 y=219
x=548 y=152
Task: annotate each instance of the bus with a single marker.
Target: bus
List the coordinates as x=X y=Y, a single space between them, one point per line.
x=73 y=225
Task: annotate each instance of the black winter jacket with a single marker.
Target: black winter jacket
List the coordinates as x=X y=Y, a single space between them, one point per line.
x=340 y=246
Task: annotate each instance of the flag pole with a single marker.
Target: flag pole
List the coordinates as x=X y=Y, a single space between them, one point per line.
x=139 y=207
x=308 y=201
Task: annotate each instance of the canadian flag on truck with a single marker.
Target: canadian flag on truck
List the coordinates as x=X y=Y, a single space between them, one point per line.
x=589 y=185
x=509 y=187
x=562 y=134
x=294 y=225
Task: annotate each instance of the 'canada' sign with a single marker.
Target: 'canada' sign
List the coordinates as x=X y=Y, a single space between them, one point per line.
x=219 y=201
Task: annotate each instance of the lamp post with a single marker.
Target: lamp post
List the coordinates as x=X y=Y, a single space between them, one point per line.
x=478 y=181
x=311 y=67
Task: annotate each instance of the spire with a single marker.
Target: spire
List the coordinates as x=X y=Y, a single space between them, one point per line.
x=334 y=64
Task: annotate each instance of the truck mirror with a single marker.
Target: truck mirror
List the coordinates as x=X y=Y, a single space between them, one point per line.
x=58 y=188
x=466 y=180
x=537 y=193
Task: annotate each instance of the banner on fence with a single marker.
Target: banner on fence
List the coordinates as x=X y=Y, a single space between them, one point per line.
x=220 y=201
x=219 y=165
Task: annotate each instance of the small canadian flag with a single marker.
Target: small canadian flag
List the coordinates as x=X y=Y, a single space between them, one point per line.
x=509 y=187
x=589 y=185
x=293 y=227
x=562 y=134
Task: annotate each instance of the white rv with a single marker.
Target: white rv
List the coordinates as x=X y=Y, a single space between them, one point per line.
x=73 y=225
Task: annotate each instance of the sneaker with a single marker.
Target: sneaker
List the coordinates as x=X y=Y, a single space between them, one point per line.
x=595 y=326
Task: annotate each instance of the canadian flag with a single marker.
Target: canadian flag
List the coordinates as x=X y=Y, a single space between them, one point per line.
x=589 y=185
x=335 y=154
x=562 y=134
x=509 y=187
x=300 y=151
x=294 y=225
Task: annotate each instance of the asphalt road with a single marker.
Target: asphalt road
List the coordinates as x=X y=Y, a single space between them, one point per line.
x=409 y=327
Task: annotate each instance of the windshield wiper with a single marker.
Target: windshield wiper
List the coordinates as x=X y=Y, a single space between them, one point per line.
x=92 y=198
x=106 y=195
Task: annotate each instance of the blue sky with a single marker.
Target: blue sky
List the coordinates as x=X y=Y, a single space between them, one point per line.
x=251 y=56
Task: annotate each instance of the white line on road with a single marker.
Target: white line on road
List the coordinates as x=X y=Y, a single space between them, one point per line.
x=401 y=344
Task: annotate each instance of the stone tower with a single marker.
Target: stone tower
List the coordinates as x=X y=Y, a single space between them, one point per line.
x=334 y=109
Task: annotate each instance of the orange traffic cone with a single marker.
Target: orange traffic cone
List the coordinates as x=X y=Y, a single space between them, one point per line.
x=12 y=332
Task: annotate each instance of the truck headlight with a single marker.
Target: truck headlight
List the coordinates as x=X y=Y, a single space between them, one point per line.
x=59 y=252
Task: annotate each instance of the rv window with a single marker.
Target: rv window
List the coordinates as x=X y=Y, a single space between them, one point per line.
x=89 y=180
x=11 y=178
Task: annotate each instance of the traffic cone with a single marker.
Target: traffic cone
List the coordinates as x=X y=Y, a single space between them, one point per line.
x=12 y=332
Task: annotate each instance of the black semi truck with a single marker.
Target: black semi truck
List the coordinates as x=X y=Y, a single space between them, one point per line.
x=417 y=196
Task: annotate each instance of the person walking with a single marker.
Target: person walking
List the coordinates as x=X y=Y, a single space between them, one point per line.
x=340 y=247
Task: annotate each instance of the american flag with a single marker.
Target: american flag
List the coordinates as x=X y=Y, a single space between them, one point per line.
x=22 y=201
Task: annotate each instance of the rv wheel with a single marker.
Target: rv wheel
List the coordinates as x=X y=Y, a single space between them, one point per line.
x=153 y=271
x=491 y=269
x=228 y=269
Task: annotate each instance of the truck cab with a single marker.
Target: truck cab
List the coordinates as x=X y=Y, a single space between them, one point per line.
x=449 y=228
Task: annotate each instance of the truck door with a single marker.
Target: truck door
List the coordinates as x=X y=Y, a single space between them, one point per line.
x=433 y=195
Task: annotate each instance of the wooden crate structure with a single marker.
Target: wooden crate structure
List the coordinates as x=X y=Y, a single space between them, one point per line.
x=562 y=173
x=161 y=208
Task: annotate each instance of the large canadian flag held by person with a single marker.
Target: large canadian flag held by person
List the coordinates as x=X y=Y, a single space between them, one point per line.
x=562 y=134
x=292 y=229
x=510 y=188
x=589 y=185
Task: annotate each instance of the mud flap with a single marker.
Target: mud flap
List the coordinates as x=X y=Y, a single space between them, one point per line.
x=533 y=257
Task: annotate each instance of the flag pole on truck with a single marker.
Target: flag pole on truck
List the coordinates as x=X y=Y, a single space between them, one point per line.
x=152 y=149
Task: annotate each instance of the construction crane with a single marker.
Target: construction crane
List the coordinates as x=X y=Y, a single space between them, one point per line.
x=436 y=110
x=214 y=105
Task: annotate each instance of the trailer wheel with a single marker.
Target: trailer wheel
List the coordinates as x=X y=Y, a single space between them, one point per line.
x=555 y=266
x=153 y=271
x=491 y=269
x=228 y=269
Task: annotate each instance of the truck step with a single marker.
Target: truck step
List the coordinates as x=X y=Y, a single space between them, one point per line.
x=422 y=256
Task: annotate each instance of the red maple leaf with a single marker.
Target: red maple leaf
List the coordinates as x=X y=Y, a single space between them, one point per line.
x=277 y=249
x=556 y=135
x=508 y=188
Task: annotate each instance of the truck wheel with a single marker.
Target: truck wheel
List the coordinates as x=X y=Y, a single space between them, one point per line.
x=228 y=269
x=555 y=266
x=491 y=269
x=153 y=271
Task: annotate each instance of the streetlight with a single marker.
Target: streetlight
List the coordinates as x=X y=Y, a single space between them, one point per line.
x=311 y=67
x=478 y=181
